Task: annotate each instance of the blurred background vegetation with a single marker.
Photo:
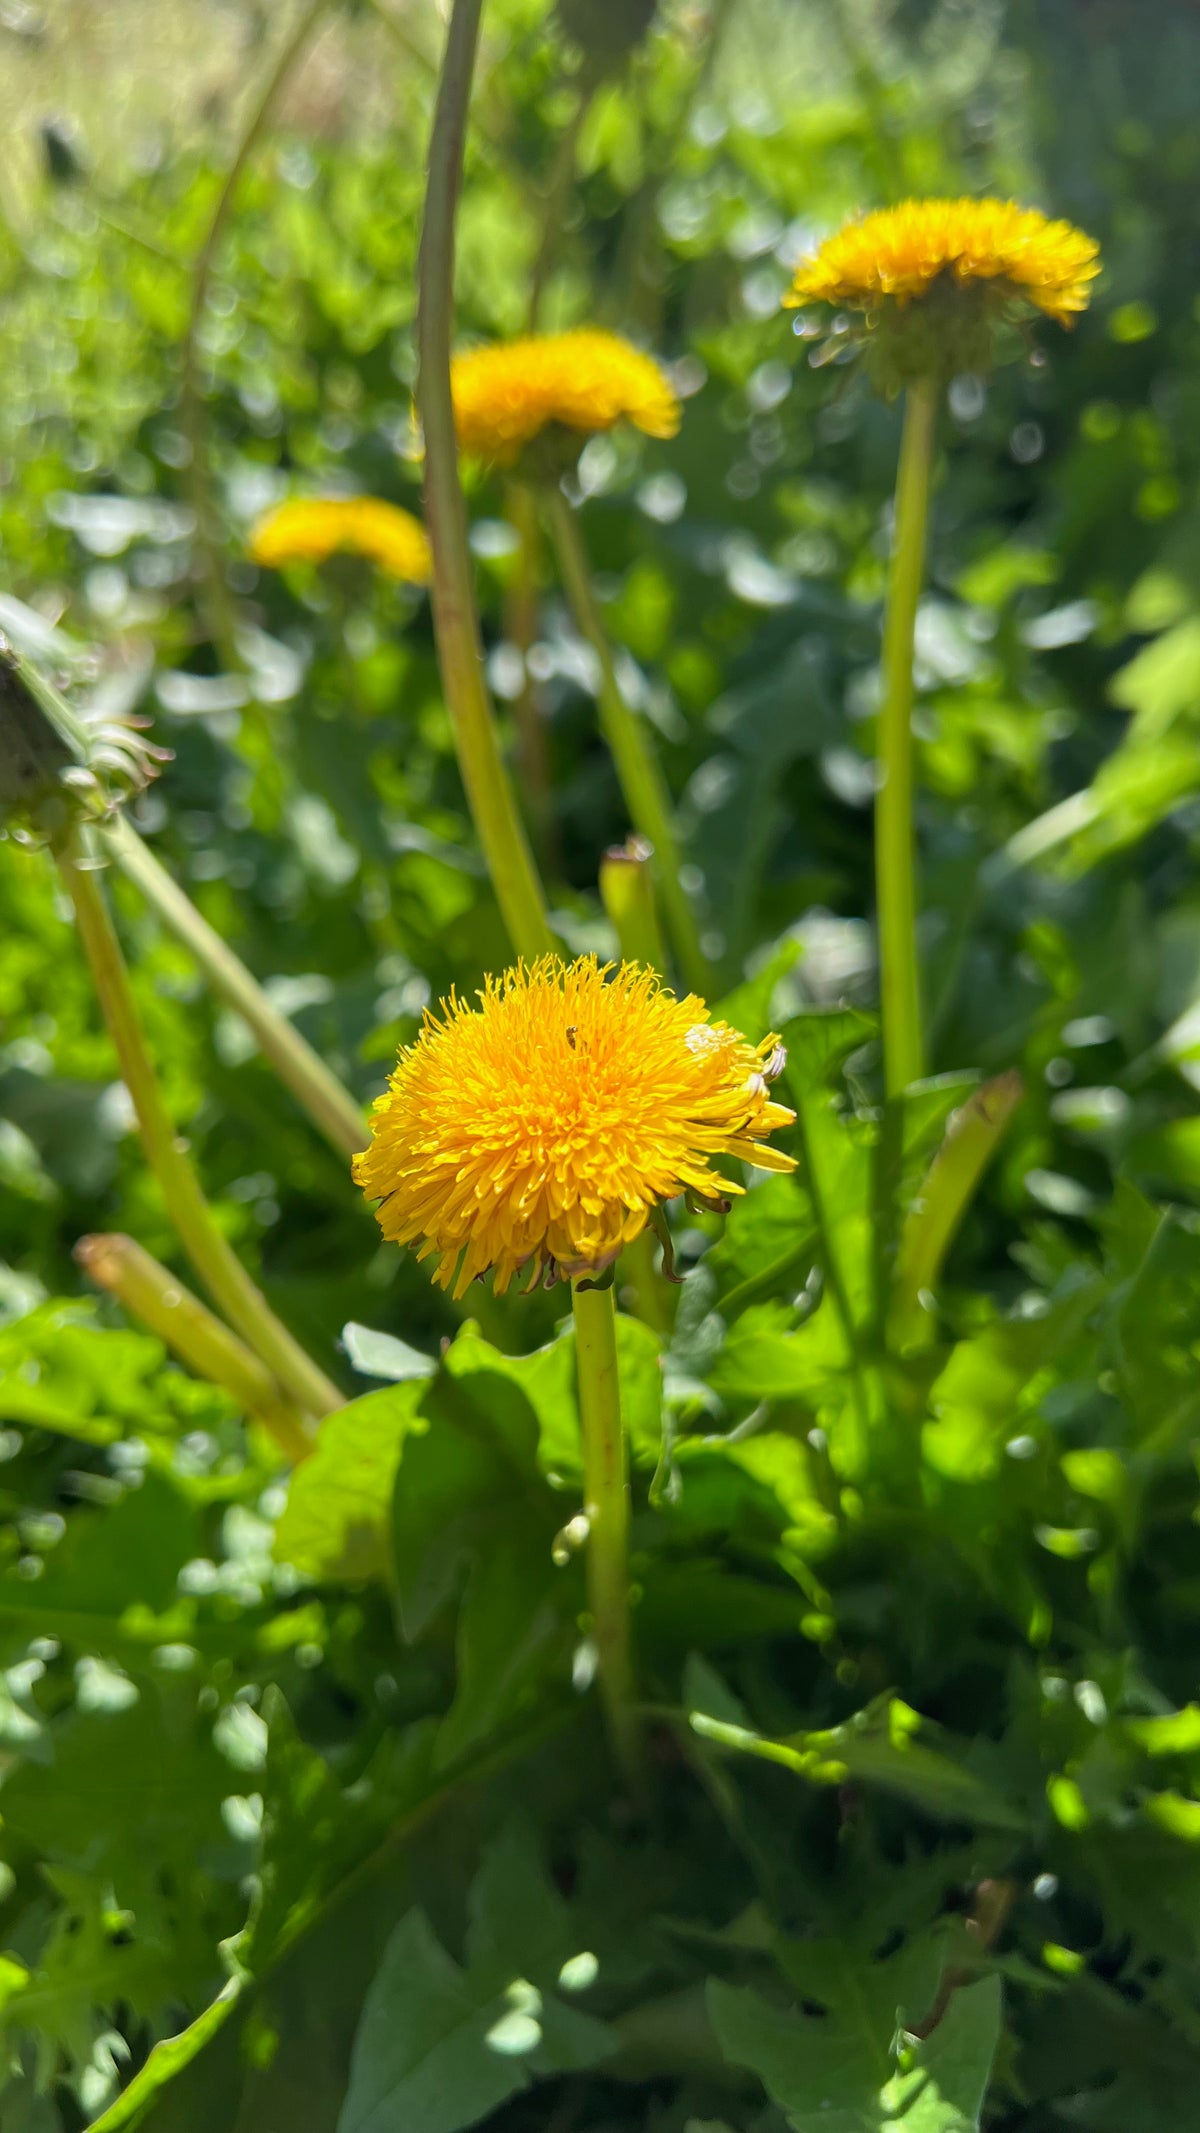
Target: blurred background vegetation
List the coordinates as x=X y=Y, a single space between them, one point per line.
x=660 y=172
x=663 y=186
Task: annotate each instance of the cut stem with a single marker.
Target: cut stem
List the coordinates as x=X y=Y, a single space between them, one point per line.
x=456 y=621
x=637 y=767
x=218 y=1266
x=149 y=1293
x=331 y=1107
x=606 y=1504
x=895 y=875
x=627 y=893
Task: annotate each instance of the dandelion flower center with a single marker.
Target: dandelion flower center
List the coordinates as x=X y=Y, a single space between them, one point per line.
x=506 y=395
x=543 y=1127
x=309 y=529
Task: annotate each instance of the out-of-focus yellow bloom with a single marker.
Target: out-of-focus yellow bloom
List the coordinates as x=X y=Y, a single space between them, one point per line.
x=897 y=254
x=312 y=528
x=939 y=281
x=543 y=1127
x=506 y=395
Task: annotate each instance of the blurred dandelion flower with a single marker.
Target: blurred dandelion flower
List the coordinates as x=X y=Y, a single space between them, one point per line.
x=545 y=1127
x=938 y=275
x=506 y=395
x=310 y=529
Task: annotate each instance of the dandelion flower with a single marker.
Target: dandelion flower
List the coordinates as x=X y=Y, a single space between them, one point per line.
x=505 y=396
x=938 y=275
x=543 y=1128
x=312 y=528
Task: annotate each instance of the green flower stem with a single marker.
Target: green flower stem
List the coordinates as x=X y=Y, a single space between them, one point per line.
x=331 y=1107
x=535 y=782
x=641 y=779
x=627 y=894
x=192 y=412
x=217 y=1265
x=149 y=1293
x=606 y=1503
x=895 y=882
x=456 y=622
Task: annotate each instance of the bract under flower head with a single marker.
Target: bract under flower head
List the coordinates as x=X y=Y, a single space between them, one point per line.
x=541 y=1128
x=935 y=278
x=506 y=395
x=312 y=528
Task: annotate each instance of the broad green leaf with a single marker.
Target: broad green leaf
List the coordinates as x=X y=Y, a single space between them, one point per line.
x=335 y=1523
x=422 y=2062
x=996 y=1379
x=441 y=2045
x=469 y=1464
x=842 y=2075
x=512 y=1630
x=127 y=1555
x=1161 y=682
x=1158 y=1325
x=766 y=1248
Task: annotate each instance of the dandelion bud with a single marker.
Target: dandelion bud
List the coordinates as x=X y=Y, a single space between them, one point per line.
x=58 y=765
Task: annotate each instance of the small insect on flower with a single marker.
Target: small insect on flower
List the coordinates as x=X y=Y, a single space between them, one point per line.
x=506 y=395
x=936 y=277
x=310 y=529
x=543 y=1128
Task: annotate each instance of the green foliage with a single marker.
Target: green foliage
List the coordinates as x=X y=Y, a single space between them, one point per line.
x=307 y=1813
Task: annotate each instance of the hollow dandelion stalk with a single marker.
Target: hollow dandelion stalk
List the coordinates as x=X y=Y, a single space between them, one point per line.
x=456 y=622
x=895 y=857
x=606 y=1507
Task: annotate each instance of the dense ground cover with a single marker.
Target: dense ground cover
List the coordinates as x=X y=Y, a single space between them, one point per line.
x=304 y=1756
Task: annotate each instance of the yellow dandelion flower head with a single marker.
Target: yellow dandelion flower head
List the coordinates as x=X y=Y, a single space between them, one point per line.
x=312 y=528
x=506 y=395
x=542 y=1128
x=928 y=256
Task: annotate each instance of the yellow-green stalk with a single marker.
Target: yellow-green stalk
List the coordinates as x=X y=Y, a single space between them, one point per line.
x=606 y=1508
x=328 y=1104
x=638 y=771
x=456 y=622
x=160 y=1301
x=218 y=1266
x=895 y=868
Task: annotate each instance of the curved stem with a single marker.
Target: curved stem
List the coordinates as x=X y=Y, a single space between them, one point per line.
x=146 y=1291
x=217 y=1264
x=456 y=622
x=606 y=1504
x=895 y=883
x=192 y=416
x=331 y=1107
x=640 y=776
